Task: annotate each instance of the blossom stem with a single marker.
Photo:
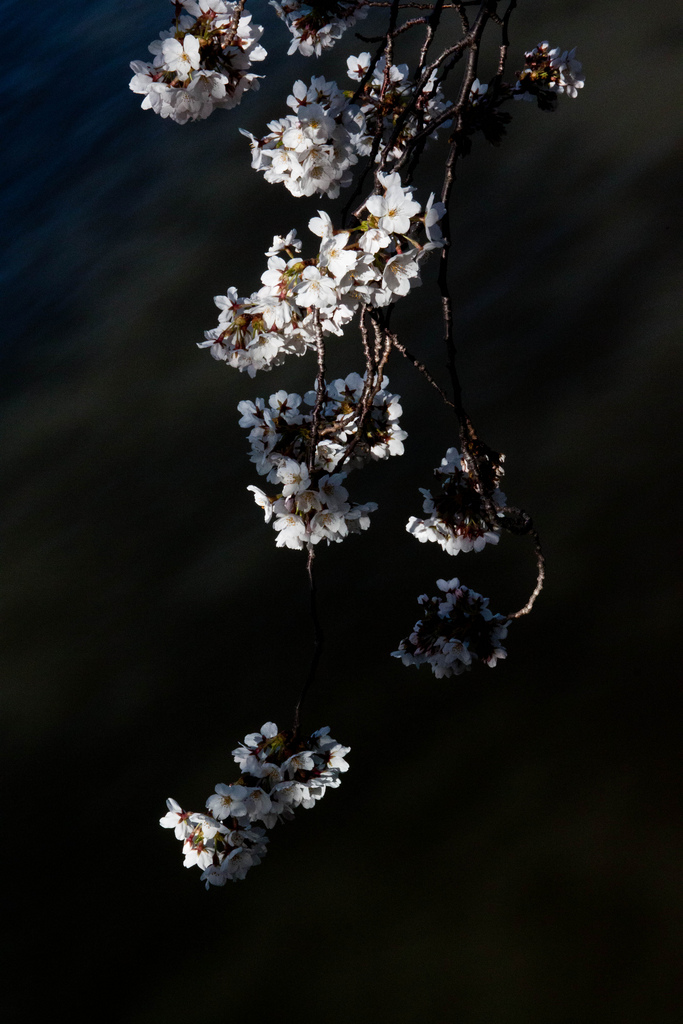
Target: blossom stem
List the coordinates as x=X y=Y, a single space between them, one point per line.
x=421 y=368
x=319 y=390
x=540 y=577
x=318 y=642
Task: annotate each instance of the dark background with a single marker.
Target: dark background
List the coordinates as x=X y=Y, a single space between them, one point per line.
x=506 y=848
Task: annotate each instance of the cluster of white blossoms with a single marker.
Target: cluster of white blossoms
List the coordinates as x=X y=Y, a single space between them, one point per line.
x=313 y=150
x=311 y=504
x=201 y=63
x=383 y=101
x=456 y=630
x=310 y=150
x=279 y=772
x=372 y=264
x=317 y=26
x=306 y=446
x=458 y=517
x=549 y=71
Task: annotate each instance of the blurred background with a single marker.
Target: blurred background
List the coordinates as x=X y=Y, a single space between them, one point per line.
x=507 y=845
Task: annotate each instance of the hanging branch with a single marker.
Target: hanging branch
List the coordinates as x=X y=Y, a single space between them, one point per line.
x=319 y=390
x=318 y=643
x=368 y=259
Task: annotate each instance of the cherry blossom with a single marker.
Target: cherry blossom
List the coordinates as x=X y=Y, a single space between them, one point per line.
x=363 y=261
x=280 y=771
x=313 y=30
x=310 y=151
x=456 y=630
x=460 y=516
x=549 y=71
x=201 y=63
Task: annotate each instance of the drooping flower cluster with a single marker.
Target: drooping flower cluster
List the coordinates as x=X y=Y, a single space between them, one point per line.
x=317 y=26
x=547 y=72
x=201 y=63
x=371 y=264
x=310 y=150
x=456 y=630
x=279 y=772
x=459 y=515
x=306 y=447
x=384 y=100
x=312 y=505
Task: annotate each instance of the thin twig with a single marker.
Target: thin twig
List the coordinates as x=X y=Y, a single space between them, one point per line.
x=421 y=368
x=383 y=341
x=421 y=7
x=540 y=577
x=318 y=641
x=319 y=392
x=432 y=25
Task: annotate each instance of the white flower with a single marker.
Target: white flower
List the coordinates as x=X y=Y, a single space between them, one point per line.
x=181 y=57
x=338 y=260
x=331 y=491
x=358 y=66
x=329 y=525
x=316 y=290
x=400 y=271
x=321 y=225
x=290 y=241
x=374 y=239
x=268 y=731
x=301 y=762
x=571 y=79
x=263 y=501
x=227 y=802
x=477 y=91
x=315 y=123
x=196 y=854
x=176 y=819
x=294 y=476
x=264 y=770
x=334 y=754
x=258 y=804
x=433 y=214
x=292 y=531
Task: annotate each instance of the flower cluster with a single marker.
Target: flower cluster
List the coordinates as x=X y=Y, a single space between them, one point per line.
x=384 y=100
x=312 y=504
x=202 y=62
x=306 y=447
x=279 y=772
x=548 y=73
x=459 y=516
x=310 y=150
x=318 y=25
x=371 y=264
x=456 y=630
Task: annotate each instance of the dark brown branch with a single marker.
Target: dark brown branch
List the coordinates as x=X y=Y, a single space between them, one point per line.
x=421 y=368
x=397 y=32
x=540 y=574
x=319 y=391
x=432 y=25
x=504 y=47
x=318 y=642
x=422 y=7
x=373 y=383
